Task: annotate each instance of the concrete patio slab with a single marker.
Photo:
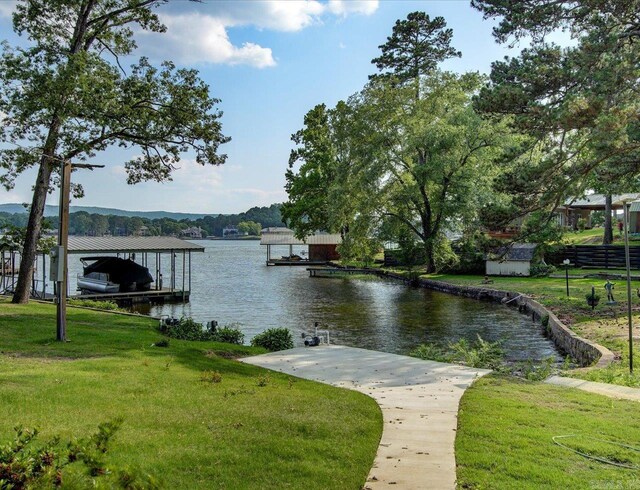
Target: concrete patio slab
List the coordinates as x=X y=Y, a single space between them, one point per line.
x=419 y=401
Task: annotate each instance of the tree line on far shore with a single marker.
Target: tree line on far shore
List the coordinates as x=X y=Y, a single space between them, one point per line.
x=92 y=224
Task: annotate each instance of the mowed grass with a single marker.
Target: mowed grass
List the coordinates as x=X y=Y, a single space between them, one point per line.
x=505 y=431
x=253 y=429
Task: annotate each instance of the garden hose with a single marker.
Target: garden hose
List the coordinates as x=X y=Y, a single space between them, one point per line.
x=597 y=458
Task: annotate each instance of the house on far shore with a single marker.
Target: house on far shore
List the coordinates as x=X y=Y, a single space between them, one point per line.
x=232 y=232
x=512 y=261
x=194 y=232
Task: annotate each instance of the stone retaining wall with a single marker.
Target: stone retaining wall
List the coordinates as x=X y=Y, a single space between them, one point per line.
x=585 y=352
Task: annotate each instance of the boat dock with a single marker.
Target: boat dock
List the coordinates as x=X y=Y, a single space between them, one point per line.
x=154 y=297
x=295 y=262
x=338 y=271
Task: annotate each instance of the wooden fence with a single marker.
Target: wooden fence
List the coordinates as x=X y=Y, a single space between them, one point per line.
x=597 y=256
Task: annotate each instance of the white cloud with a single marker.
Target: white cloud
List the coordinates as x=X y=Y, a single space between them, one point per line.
x=194 y=38
x=288 y=15
x=346 y=7
x=201 y=34
x=7 y=7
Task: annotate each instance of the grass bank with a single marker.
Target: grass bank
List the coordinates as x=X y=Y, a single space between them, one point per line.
x=251 y=429
x=505 y=438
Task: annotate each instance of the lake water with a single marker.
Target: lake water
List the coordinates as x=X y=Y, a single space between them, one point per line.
x=232 y=284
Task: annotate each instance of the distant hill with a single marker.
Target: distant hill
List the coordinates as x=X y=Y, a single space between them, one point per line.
x=53 y=211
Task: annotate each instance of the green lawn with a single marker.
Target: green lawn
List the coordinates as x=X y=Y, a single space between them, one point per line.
x=254 y=429
x=505 y=430
x=594 y=236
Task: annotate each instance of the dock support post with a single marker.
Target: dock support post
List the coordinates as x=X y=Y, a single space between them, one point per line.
x=189 y=271
x=44 y=276
x=173 y=271
x=183 y=274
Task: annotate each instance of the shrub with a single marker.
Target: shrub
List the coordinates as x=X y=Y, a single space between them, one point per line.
x=185 y=329
x=189 y=329
x=541 y=270
x=161 y=343
x=229 y=334
x=274 y=339
x=595 y=296
x=26 y=463
x=582 y=224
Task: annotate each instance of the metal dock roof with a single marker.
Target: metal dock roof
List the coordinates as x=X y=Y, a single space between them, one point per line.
x=284 y=236
x=159 y=244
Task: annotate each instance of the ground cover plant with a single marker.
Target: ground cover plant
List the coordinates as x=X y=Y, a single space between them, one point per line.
x=505 y=437
x=192 y=416
x=477 y=354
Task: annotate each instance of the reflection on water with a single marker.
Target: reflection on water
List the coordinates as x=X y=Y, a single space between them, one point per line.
x=232 y=284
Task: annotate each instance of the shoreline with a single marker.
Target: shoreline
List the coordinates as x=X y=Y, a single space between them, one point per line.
x=586 y=352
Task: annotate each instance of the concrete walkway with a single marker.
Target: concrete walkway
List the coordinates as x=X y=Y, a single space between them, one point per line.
x=419 y=402
x=606 y=389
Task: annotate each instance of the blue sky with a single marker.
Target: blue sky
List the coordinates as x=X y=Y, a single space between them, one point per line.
x=269 y=62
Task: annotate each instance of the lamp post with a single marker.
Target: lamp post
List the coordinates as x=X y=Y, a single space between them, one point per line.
x=566 y=272
x=625 y=207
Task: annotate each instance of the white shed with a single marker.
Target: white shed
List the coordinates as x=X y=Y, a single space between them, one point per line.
x=512 y=261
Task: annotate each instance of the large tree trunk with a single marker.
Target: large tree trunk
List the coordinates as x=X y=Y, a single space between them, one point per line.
x=30 y=248
x=431 y=263
x=34 y=226
x=608 y=225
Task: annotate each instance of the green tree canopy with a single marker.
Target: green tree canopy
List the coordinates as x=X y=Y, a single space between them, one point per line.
x=424 y=164
x=66 y=96
x=579 y=103
x=416 y=46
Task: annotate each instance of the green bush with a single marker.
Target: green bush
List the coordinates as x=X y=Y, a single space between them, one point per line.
x=186 y=329
x=541 y=270
x=229 y=334
x=274 y=339
x=189 y=329
x=595 y=297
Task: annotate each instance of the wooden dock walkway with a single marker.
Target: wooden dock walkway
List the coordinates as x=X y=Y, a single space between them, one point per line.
x=296 y=262
x=153 y=296
x=338 y=271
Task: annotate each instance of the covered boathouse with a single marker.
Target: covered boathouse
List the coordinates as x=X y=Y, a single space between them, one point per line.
x=168 y=260
x=322 y=246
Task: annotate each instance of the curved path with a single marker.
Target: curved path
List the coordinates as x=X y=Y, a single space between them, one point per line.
x=419 y=401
